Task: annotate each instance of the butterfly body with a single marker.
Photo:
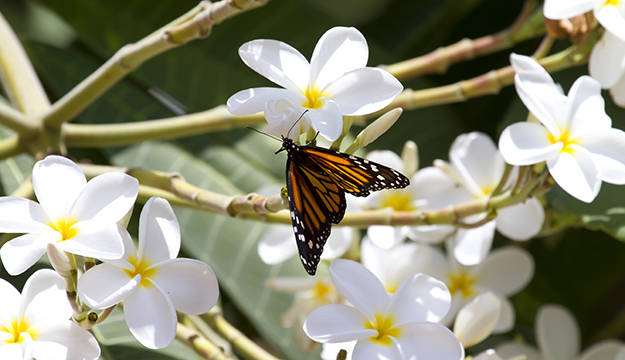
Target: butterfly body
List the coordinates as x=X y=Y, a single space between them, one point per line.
x=317 y=180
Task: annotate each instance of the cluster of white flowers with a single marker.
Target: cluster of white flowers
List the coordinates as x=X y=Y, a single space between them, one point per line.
x=76 y=217
x=405 y=295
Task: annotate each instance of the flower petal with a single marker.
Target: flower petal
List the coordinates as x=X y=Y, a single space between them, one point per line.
x=419 y=298
x=250 y=101
x=385 y=236
x=363 y=91
x=95 y=239
x=14 y=351
x=607 y=149
x=472 y=245
x=360 y=287
x=21 y=253
x=507 y=317
x=337 y=323
x=338 y=243
x=107 y=198
x=105 y=285
x=44 y=298
x=527 y=143
x=326 y=119
x=576 y=173
x=521 y=221
x=407 y=259
x=606 y=60
x=57 y=182
x=9 y=302
x=331 y=350
x=539 y=93
x=19 y=215
x=277 y=245
x=587 y=108
x=618 y=92
x=478 y=162
x=429 y=341
x=190 y=284
x=338 y=51
x=513 y=349
x=606 y=349
x=477 y=319
x=278 y=62
x=431 y=234
x=283 y=117
x=557 y=332
x=489 y=354
x=564 y=9
x=386 y=157
x=612 y=20
x=506 y=270
x=366 y=349
x=150 y=316
x=65 y=340
x=159 y=232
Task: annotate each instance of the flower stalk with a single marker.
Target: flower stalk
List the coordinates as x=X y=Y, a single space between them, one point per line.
x=199 y=344
x=528 y=24
x=243 y=346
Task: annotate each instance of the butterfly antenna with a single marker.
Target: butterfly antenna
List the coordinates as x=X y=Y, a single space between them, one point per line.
x=264 y=133
x=296 y=121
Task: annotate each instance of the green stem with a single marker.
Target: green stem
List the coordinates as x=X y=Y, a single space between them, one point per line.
x=488 y=84
x=10 y=146
x=18 y=75
x=16 y=121
x=217 y=119
x=199 y=344
x=243 y=346
x=529 y=24
x=131 y=56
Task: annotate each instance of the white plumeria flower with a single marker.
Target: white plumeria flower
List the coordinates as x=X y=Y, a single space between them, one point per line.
x=79 y=217
x=504 y=272
x=151 y=281
x=477 y=166
x=310 y=293
x=427 y=184
x=609 y=13
x=407 y=259
x=336 y=82
x=576 y=137
x=400 y=326
x=558 y=337
x=36 y=324
x=607 y=65
x=477 y=319
x=330 y=351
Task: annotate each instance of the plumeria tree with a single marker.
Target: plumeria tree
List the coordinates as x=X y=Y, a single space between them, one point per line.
x=141 y=219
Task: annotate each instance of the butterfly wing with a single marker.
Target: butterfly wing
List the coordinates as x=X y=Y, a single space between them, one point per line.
x=354 y=174
x=315 y=201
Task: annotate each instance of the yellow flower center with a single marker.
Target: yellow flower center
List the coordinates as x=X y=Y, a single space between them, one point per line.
x=391 y=288
x=141 y=268
x=612 y=2
x=566 y=142
x=383 y=325
x=65 y=227
x=17 y=329
x=461 y=282
x=398 y=200
x=312 y=97
x=322 y=290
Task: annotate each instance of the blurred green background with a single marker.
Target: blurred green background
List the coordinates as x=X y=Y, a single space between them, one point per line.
x=69 y=39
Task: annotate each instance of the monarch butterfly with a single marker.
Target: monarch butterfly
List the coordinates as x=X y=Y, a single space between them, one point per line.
x=317 y=180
